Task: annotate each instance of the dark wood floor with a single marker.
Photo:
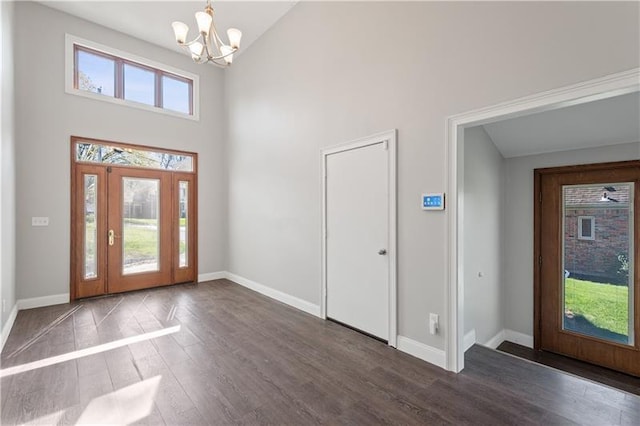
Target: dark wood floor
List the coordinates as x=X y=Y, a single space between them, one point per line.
x=602 y=375
x=241 y=358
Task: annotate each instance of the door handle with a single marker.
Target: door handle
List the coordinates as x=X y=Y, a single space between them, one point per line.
x=382 y=252
x=112 y=237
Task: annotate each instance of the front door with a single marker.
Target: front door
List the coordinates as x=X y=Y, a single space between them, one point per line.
x=133 y=218
x=587 y=253
x=357 y=240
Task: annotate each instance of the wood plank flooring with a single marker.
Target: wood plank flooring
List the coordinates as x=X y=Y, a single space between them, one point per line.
x=241 y=358
x=598 y=374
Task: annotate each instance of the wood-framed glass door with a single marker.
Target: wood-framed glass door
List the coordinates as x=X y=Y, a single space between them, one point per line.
x=139 y=231
x=134 y=217
x=587 y=296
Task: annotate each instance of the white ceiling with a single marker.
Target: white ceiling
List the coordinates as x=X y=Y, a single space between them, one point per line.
x=151 y=20
x=605 y=122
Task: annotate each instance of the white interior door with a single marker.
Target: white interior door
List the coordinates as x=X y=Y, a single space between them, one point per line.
x=357 y=225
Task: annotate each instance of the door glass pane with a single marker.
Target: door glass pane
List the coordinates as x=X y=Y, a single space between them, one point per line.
x=183 y=208
x=90 y=232
x=140 y=225
x=139 y=84
x=597 y=260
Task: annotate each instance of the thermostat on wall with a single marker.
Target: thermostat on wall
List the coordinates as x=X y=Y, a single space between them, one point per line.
x=433 y=201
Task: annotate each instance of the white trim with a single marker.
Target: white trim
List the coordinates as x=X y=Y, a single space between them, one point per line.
x=390 y=137
x=600 y=88
x=6 y=328
x=285 y=298
x=495 y=341
x=424 y=352
x=519 y=338
x=591 y=219
x=469 y=339
x=38 y=302
x=211 y=276
x=70 y=40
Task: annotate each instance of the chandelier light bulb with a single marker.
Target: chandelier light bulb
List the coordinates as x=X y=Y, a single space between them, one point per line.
x=204 y=22
x=234 y=35
x=227 y=52
x=180 y=30
x=196 y=50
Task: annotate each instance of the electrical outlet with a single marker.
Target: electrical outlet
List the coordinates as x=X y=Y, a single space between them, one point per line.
x=39 y=221
x=434 y=323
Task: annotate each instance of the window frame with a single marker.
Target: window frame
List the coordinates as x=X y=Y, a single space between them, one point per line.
x=75 y=44
x=581 y=236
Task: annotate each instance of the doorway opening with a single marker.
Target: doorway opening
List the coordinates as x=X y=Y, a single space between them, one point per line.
x=133 y=217
x=613 y=86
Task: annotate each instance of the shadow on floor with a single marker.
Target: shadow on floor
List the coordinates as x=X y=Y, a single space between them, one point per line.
x=580 y=324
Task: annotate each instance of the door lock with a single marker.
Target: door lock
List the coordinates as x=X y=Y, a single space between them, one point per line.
x=112 y=237
x=382 y=252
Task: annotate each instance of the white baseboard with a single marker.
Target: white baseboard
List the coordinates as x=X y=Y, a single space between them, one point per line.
x=511 y=336
x=37 y=302
x=469 y=339
x=210 y=276
x=6 y=328
x=297 y=303
x=519 y=338
x=424 y=352
x=495 y=341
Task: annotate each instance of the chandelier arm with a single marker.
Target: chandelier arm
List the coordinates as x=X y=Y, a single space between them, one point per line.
x=216 y=37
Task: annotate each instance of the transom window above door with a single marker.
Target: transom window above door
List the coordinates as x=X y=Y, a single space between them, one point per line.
x=107 y=74
x=90 y=151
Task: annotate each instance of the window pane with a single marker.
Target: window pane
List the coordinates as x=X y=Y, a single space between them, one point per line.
x=140 y=225
x=597 y=274
x=183 y=206
x=95 y=73
x=90 y=232
x=95 y=153
x=175 y=94
x=139 y=85
x=586 y=227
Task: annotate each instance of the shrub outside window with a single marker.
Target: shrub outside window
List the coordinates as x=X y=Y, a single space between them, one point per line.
x=107 y=74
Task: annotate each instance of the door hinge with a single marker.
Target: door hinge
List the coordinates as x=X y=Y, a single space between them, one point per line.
x=540 y=260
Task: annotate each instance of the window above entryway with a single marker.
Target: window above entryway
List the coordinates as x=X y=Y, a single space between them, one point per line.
x=107 y=74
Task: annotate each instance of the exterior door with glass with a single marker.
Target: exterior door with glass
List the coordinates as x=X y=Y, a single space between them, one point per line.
x=133 y=218
x=586 y=281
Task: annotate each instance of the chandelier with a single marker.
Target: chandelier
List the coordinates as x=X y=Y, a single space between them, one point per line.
x=208 y=46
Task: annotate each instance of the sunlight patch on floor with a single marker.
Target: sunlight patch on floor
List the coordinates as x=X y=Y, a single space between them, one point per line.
x=87 y=351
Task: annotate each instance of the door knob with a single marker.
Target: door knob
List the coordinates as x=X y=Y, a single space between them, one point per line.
x=382 y=252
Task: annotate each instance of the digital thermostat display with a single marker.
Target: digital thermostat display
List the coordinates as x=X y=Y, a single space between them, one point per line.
x=433 y=201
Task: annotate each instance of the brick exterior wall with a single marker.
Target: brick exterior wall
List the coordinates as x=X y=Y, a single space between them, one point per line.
x=597 y=259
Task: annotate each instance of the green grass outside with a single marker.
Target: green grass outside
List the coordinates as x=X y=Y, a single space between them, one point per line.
x=140 y=242
x=604 y=305
x=183 y=221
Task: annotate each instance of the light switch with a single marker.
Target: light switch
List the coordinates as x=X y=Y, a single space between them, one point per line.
x=39 y=221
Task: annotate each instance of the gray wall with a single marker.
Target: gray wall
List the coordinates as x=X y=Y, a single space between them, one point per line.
x=483 y=203
x=331 y=72
x=518 y=226
x=7 y=164
x=46 y=117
